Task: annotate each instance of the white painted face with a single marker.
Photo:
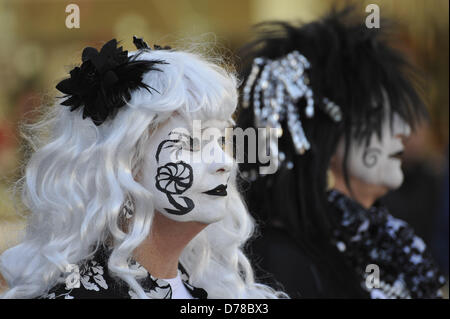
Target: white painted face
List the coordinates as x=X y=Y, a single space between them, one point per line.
x=186 y=187
x=379 y=162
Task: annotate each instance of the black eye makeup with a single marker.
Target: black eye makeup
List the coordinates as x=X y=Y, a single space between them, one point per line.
x=182 y=141
x=186 y=142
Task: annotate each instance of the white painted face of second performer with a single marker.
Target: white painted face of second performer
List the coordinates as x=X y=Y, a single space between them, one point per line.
x=379 y=162
x=185 y=186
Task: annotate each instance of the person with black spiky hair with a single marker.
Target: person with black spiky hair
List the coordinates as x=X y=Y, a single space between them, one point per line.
x=342 y=101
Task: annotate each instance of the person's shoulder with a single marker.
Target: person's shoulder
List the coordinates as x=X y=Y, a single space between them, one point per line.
x=283 y=264
x=278 y=243
x=62 y=291
x=89 y=280
x=59 y=291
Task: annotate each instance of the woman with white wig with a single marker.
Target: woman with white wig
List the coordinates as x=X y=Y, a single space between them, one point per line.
x=121 y=203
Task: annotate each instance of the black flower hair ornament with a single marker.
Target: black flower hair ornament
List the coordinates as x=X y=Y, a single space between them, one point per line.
x=142 y=45
x=105 y=80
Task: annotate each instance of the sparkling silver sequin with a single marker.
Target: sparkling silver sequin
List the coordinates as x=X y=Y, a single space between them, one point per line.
x=333 y=110
x=277 y=86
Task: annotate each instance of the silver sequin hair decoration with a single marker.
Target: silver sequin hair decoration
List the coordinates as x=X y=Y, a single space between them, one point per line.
x=275 y=86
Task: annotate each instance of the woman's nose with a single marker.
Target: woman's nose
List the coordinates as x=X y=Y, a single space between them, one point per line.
x=222 y=164
x=400 y=127
x=224 y=167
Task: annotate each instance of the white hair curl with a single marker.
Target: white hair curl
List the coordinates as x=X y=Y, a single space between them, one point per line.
x=75 y=185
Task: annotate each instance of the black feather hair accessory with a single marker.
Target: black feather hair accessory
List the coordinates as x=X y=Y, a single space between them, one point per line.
x=104 y=81
x=142 y=45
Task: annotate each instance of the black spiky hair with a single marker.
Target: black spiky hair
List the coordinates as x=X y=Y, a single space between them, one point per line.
x=352 y=65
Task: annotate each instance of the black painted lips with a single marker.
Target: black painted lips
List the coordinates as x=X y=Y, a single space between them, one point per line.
x=220 y=190
x=397 y=155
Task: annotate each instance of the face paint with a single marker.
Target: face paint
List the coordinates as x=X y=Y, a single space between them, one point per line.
x=379 y=162
x=174 y=179
x=185 y=187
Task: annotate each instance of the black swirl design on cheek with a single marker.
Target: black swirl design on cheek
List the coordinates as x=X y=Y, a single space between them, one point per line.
x=370 y=156
x=174 y=179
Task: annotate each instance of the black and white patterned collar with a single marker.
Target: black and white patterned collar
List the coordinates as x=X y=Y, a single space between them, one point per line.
x=373 y=236
x=92 y=280
x=156 y=288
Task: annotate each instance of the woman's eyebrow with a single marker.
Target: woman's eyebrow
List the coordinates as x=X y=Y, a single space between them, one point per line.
x=190 y=137
x=179 y=134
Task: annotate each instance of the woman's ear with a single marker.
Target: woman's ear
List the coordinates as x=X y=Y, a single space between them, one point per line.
x=336 y=159
x=137 y=177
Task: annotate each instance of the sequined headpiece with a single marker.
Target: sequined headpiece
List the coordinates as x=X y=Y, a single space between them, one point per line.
x=275 y=87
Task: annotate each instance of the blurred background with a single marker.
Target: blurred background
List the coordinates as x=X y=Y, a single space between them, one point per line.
x=37 y=50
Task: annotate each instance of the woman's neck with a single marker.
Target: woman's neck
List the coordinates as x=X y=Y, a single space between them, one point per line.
x=161 y=250
x=363 y=193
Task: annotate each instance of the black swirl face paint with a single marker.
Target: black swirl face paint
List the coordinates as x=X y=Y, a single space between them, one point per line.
x=370 y=156
x=173 y=179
